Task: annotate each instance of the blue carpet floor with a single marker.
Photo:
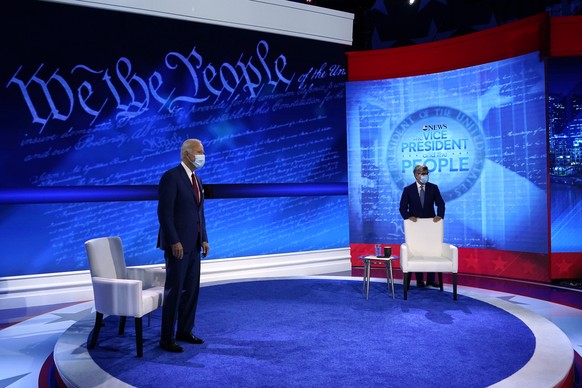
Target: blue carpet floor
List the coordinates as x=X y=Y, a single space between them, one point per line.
x=314 y=332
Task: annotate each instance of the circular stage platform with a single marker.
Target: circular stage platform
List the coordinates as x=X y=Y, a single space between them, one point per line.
x=317 y=331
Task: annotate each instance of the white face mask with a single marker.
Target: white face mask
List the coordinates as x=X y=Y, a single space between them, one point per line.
x=198 y=161
x=423 y=179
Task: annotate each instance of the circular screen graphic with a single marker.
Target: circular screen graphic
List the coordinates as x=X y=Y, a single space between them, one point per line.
x=449 y=142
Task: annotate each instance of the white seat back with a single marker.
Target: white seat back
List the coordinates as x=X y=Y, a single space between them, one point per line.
x=424 y=237
x=106 y=259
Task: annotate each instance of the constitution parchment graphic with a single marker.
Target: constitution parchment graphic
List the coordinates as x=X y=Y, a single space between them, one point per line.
x=268 y=108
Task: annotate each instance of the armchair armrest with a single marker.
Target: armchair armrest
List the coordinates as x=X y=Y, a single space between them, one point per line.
x=135 y=273
x=452 y=252
x=150 y=277
x=118 y=296
x=158 y=276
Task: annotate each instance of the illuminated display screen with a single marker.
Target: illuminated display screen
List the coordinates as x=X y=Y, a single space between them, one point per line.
x=565 y=126
x=480 y=131
x=95 y=104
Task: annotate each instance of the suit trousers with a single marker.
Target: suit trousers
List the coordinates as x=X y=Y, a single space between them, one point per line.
x=429 y=277
x=180 y=294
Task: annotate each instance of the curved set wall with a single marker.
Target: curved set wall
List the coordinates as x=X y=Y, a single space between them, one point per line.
x=476 y=111
x=91 y=117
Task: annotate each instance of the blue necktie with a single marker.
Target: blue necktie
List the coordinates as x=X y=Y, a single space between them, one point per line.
x=421 y=195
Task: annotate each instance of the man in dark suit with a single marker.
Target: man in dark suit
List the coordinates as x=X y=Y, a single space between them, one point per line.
x=183 y=238
x=413 y=207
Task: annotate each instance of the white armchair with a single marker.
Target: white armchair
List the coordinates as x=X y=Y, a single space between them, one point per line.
x=122 y=291
x=425 y=251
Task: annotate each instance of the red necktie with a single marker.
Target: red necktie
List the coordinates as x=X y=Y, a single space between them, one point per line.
x=196 y=188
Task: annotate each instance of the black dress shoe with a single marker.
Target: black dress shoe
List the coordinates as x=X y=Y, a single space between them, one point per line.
x=420 y=284
x=433 y=284
x=190 y=338
x=171 y=347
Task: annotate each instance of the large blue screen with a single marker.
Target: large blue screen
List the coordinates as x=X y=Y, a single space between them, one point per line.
x=481 y=132
x=93 y=99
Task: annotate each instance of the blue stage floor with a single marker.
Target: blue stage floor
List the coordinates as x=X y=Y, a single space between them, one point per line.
x=27 y=346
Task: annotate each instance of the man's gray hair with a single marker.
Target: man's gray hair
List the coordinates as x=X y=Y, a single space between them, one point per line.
x=420 y=168
x=187 y=145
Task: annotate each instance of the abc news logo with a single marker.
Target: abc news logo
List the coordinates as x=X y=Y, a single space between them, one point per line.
x=434 y=127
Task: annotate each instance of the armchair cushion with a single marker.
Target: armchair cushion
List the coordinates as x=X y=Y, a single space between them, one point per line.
x=447 y=262
x=119 y=297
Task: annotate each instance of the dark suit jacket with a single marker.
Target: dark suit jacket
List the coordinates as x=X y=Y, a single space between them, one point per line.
x=180 y=216
x=410 y=202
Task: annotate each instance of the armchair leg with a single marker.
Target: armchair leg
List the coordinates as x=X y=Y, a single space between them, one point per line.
x=441 y=280
x=95 y=334
x=122 y=321
x=138 y=337
x=454 y=286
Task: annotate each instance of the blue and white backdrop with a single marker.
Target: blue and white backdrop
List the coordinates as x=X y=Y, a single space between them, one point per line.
x=95 y=105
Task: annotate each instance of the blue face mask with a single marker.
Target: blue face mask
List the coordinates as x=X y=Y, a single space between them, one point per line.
x=198 y=161
x=423 y=179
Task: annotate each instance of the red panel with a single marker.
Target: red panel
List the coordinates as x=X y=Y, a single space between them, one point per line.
x=512 y=39
x=357 y=250
x=566 y=265
x=507 y=264
x=566 y=36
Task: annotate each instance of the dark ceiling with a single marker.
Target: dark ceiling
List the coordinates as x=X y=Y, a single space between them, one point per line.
x=393 y=23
